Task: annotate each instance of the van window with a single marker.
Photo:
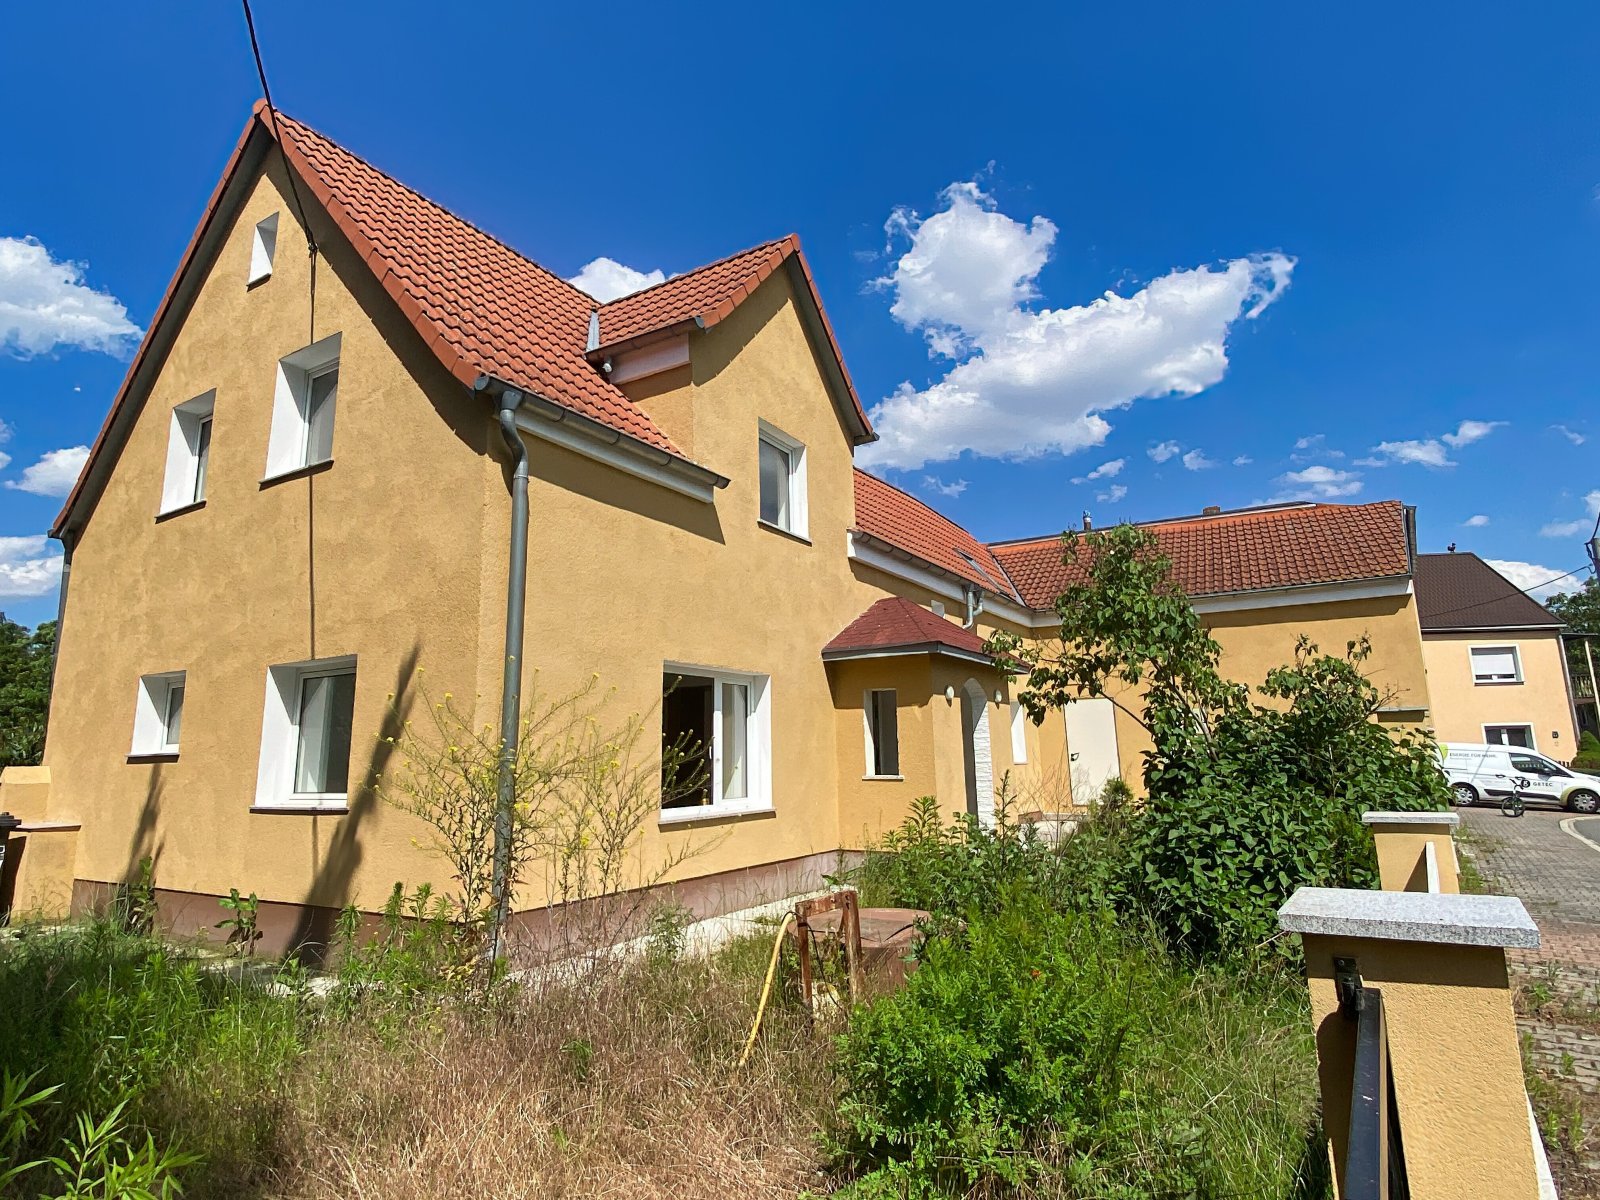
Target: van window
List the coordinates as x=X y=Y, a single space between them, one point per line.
x=1528 y=764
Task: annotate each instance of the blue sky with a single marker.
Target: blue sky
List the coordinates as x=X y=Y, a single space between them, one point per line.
x=1352 y=250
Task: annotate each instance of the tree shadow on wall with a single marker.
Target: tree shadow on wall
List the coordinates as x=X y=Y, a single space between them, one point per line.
x=330 y=888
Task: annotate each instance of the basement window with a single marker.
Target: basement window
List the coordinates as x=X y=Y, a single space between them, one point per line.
x=1496 y=664
x=188 y=453
x=158 y=713
x=881 y=719
x=716 y=737
x=303 y=408
x=263 y=246
x=782 y=471
x=306 y=734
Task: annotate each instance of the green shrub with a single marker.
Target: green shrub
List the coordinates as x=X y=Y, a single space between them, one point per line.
x=1058 y=1051
x=1588 y=756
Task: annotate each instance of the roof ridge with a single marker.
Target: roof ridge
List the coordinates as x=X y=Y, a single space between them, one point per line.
x=1189 y=521
x=717 y=262
x=279 y=114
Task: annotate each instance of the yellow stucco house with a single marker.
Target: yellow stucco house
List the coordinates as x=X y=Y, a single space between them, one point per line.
x=1497 y=668
x=308 y=491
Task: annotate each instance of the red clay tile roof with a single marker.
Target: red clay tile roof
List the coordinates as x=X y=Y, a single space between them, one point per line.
x=1461 y=591
x=482 y=308
x=709 y=293
x=895 y=623
x=890 y=515
x=1246 y=551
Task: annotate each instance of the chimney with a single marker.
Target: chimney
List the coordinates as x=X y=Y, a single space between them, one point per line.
x=1087 y=523
x=1211 y=510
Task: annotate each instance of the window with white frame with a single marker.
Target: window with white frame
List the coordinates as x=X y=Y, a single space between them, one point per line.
x=1019 y=732
x=158 y=713
x=716 y=735
x=1496 y=664
x=303 y=408
x=188 y=453
x=263 y=246
x=782 y=471
x=306 y=734
x=881 y=719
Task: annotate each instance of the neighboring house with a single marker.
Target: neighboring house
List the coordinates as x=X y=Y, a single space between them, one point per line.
x=1496 y=667
x=1260 y=578
x=299 y=503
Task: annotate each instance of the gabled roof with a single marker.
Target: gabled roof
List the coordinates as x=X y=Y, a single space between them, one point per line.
x=896 y=625
x=894 y=517
x=1461 y=591
x=1298 y=545
x=483 y=309
x=704 y=297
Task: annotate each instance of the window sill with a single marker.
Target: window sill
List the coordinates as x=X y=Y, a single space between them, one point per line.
x=194 y=506
x=883 y=778
x=781 y=531
x=1498 y=682
x=712 y=812
x=305 y=472
x=251 y=285
x=330 y=809
x=153 y=756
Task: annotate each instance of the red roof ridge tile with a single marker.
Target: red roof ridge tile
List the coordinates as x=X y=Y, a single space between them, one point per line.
x=601 y=306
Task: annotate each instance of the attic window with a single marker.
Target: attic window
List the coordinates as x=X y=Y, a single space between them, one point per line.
x=262 y=247
x=782 y=469
x=188 y=453
x=303 y=408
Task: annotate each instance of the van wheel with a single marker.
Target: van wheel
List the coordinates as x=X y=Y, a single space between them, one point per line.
x=1584 y=802
x=1466 y=795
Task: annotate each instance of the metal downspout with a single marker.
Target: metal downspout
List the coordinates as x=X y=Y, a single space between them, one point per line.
x=511 y=685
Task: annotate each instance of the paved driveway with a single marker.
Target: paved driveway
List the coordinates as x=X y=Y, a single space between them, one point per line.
x=1555 y=874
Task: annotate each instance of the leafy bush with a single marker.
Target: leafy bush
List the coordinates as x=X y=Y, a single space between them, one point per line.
x=1588 y=755
x=1246 y=801
x=1056 y=1050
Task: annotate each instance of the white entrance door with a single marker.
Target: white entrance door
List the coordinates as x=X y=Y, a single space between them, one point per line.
x=1091 y=747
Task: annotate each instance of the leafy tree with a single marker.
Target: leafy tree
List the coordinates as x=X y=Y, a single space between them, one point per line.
x=1246 y=801
x=1580 y=610
x=25 y=665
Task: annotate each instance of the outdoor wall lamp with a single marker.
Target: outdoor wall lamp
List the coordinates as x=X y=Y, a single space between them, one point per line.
x=949 y=692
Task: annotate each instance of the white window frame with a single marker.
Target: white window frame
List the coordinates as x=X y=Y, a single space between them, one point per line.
x=1019 y=733
x=1497 y=647
x=183 y=483
x=288 y=443
x=263 y=248
x=758 y=745
x=280 y=736
x=152 y=713
x=795 y=452
x=870 y=734
x=1533 y=735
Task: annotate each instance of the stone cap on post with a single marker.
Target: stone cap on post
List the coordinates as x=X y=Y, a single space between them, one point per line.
x=1411 y=818
x=1440 y=919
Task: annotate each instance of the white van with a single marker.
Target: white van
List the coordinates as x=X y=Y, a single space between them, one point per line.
x=1478 y=771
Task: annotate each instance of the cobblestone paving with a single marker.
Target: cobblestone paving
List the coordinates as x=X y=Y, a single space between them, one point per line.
x=1558 y=878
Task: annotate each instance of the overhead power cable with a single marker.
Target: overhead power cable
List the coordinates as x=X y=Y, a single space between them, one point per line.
x=272 y=115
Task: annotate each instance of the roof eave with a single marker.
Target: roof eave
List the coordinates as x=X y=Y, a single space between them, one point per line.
x=906 y=649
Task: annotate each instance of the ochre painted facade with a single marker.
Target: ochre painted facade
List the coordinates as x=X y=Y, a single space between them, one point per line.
x=1542 y=700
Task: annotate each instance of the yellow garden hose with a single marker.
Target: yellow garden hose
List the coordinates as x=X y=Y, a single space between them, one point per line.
x=766 y=988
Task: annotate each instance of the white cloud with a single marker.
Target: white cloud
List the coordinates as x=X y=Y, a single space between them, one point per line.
x=1243 y=460
x=1104 y=471
x=1564 y=529
x=1196 y=460
x=1318 y=483
x=5 y=436
x=1471 y=431
x=1313 y=445
x=1572 y=435
x=44 y=303
x=1429 y=452
x=605 y=279
x=1162 y=451
x=1310 y=440
x=1476 y=522
x=27 y=567
x=952 y=489
x=54 y=474
x=1025 y=382
x=1112 y=494
x=1538 y=581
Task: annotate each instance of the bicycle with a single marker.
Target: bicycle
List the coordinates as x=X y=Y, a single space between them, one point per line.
x=1512 y=805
